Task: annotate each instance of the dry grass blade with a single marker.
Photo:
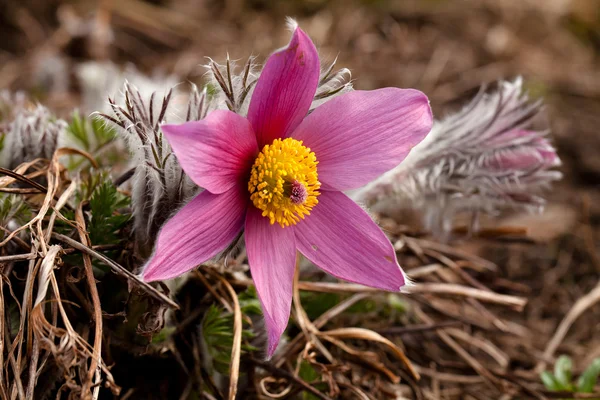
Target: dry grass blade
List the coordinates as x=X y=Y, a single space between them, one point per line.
x=309 y=330
x=472 y=361
x=285 y=374
x=296 y=344
x=26 y=312
x=72 y=349
x=236 y=348
x=212 y=290
x=21 y=169
x=501 y=358
x=119 y=270
x=62 y=201
x=420 y=288
x=448 y=250
x=517 y=303
x=94 y=368
x=18 y=257
x=44 y=279
x=23 y=179
x=367 y=357
x=366 y=334
x=575 y=312
x=3 y=391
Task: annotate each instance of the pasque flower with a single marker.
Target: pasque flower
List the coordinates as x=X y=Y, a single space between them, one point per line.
x=278 y=176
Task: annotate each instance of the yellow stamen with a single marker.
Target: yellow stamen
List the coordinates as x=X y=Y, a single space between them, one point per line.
x=284 y=181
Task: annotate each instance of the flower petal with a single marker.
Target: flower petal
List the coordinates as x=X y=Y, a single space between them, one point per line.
x=341 y=238
x=271 y=253
x=198 y=232
x=359 y=135
x=285 y=89
x=216 y=152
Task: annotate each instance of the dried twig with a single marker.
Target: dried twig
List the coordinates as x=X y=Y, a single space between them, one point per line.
x=119 y=270
x=285 y=374
x=575 y=312
x=420 y=288
x=236 y=348
x=94 y=368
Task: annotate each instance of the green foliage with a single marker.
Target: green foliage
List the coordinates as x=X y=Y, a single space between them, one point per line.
x=163 y=335
x=588 y=379
x=107 y=216
x=249 y=302
x=89 y=133
x=388 y=307
x=217 y=335
x=563 y=372
x=315 y=303
x=12 y=207
x=308 y=374
x=536 y=89
x=392 y=305
x=14 y=319
x=92 y=135
x=106 y=205
x=561 y=380
x=364 y=306
x=105 y=219
x=397 y=303
x=211 y=90
x=549 y=381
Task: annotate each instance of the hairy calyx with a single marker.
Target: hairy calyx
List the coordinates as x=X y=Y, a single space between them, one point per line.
x=284 y=182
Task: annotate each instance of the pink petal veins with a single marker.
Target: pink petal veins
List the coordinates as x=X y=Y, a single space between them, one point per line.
x=342 y=239
x=272 y=257
x=198 y=232
x=285 y=89
x=362 y=134
x=216 y=152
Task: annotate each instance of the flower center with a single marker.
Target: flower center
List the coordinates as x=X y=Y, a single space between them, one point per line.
x=284 y=182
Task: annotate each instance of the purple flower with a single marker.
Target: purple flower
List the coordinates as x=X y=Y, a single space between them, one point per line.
x=278 y=175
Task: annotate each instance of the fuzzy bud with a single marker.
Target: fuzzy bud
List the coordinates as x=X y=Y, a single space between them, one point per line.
x=30 y=132
x=485 y=158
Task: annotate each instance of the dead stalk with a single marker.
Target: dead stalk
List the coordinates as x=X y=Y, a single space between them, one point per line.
x=89 y=272
x=575 y=312
x=119 y=270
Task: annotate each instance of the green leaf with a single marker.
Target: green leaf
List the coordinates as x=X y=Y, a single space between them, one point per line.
x=105 y=218
x=397 y=303
x=217 y=335
x=78 y=130
x=14 y=321
x=364 y=306
x=316 y=304
x=91 y=134
x=550 y=382
x=103 y=132
x=164 y=334
x=588 y=379
x=12 y=207
x=563 y=372
x=249 y=302
x=308 y=374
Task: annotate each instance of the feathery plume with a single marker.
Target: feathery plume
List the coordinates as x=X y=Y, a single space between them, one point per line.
x=30 y=132
x=159 y=185
x=485 y=158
